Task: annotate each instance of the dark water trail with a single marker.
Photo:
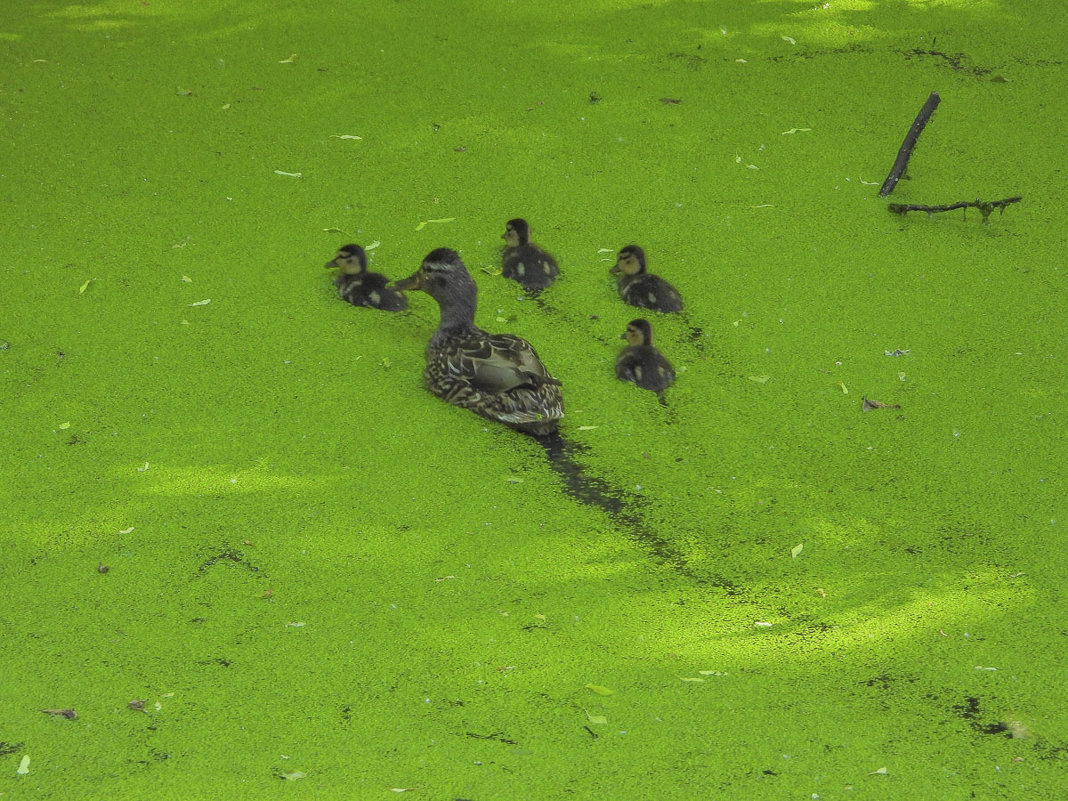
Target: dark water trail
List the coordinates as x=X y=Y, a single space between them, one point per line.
x=623 y=507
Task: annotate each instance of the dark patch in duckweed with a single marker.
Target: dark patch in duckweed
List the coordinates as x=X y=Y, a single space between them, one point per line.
x=218 y=660
x=229 y=555
x=970 y=711
x=10 y=748
x=955 y=61
x=498 y=736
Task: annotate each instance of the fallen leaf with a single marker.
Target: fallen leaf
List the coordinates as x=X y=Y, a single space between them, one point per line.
x=760 y=379
x=595 y=718
x=597 y=688
x=64 y=426
x=85 y=286
x=844 y=388
x=796 y=550
x=425 y=223
x=880 y=772
x=763 y=625
x=296 y=625
x=587 y=428
x=24 y=765
x=137 y=706
x=290 y=60
x=711 y=673
x=292 y=777
x=289 y=174
x=127 y=530
x=346 y=136
x=789 y=39
x=204 y=302
x=795 y=130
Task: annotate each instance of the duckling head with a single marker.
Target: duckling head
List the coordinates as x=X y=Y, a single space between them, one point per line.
x=516 y=232
x=629 y=261
x=638 y=333
x=352 y=259
x=442 y=275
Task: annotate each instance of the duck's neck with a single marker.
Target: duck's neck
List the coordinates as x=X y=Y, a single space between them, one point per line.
x=457 y=314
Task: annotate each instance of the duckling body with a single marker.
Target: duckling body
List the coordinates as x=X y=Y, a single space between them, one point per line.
x=640 y=288
x=498 y=376
x=640 y=362
x=524 y=261
x=361 y=288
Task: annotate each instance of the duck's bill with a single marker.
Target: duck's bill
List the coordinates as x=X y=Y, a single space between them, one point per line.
x=331 y=264
x=409 y=283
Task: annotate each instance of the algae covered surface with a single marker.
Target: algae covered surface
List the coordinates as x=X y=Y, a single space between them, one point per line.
x=248 y=555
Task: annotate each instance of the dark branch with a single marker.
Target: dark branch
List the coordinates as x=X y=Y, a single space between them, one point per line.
x=902 y=160
x=984 y=206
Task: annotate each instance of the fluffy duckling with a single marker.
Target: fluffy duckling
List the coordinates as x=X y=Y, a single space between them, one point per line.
x=641 y=362
x=524 y=261
x=498 y=376
x=361 y=288
x=639 y=288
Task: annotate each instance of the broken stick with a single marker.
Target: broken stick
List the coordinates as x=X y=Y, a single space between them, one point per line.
x=984 y=206
x=902 y=160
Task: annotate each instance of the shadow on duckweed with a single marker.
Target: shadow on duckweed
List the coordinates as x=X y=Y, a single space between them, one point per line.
x=623 y=507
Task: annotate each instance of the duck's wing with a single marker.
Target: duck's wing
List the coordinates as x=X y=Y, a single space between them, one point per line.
x=499 y=376
x=625 y=366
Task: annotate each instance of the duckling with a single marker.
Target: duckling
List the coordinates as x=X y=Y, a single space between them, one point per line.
x=523 y=261
x=498 y=376
x=639 y=288
x=361 y=288
x=641 y=362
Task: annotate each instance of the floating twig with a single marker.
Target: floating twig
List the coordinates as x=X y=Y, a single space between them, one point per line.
x=902 y=160
x=870 y=404
x=984 y=206
x=69 y=714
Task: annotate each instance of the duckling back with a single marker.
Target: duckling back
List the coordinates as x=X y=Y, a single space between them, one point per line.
x=649 y=291
x=531 y=266
x=645 y=366
x=370 y=289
